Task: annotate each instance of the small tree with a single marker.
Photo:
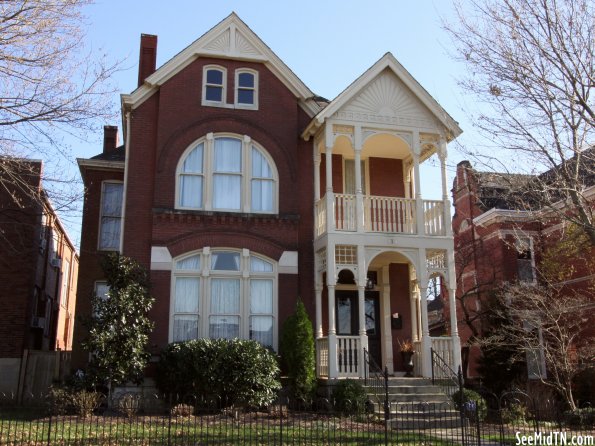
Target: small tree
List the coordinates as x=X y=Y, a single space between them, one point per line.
x=298 y=353
x=119 y=327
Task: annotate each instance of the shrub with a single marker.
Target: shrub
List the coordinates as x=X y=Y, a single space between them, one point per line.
x=298 y=354
x=471 y=402
x=84 y=402
x=515 y=413
x=349 y=396
x=128 y=404
x=182 y=410
x=235 y=372
x=68 y=401
x=60 y=401
x=580 y=418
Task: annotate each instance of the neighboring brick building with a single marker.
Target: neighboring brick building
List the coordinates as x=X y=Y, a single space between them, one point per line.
x=38 y=272
x=497 y=240
x=222 y=188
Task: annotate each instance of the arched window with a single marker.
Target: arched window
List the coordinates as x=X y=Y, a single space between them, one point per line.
x=224 y=293
x=226 y=173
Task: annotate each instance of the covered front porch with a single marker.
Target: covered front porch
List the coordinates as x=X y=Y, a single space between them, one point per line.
x=370 y=307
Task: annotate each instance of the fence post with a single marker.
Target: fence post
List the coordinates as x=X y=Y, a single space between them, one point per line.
x=50 y=429
x=461 y=405
x=432 y=356
x=386 y=406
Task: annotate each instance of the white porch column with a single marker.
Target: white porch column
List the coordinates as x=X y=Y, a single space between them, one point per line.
x=414 y=293
x=333 y=371
x=318 y=291
x=330 y=196
x=363 y=335
x=454 y=330
x=419 y=214
x=426 y=367
x=386 y=328
x=317 y=160
x=359 y=198
x=445 y=200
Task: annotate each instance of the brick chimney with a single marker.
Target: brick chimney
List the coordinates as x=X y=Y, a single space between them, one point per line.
x=110 y=138
x=147 y=58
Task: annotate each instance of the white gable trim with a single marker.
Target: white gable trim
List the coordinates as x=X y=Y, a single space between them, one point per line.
x=386 y=61
x=230 y=39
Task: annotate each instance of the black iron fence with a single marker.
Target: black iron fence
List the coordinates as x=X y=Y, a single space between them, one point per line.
x=154 y=421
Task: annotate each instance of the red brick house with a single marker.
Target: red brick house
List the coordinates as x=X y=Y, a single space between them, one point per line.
x=498 y=240
x=242 y=191
x=38 y=274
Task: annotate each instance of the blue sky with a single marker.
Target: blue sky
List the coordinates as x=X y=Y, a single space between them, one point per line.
x=328 y=44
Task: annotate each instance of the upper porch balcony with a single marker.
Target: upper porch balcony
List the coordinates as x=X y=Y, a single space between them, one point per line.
x=380 y=215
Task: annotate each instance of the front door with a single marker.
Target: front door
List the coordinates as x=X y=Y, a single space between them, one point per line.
x=348 y=318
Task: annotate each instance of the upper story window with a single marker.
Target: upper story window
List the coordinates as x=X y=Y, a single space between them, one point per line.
x=214 y=78
x=226 y=173
x=246 y=91
x=525 y=262
x=110 y=223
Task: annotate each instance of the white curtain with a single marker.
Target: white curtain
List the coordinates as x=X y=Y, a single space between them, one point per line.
x=111 y=216
x=187 y=295
x=189 y=263
x=262 y=195
x=224 y=327
x=193 y=161
x=225 y=296
x=185 y=328
x=228 y=155
x=260 y=165
x=261 y=330
x=260 y=266
x=261 y=296
x=349 y=176
x=227 y=191
x=191 y=191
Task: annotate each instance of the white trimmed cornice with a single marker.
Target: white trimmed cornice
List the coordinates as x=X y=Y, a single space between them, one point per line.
x=100 y=164
x=229 y=39
x=388 y=61
x=498 y=215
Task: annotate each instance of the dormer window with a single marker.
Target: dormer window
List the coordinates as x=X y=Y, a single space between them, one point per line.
x=246 y=91
x=214 y=85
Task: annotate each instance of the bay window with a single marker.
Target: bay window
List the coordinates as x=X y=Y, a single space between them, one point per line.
x=226 y=173
x=223 y=293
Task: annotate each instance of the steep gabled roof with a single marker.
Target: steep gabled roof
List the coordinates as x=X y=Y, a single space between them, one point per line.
x=229 y=39
x=388 y=61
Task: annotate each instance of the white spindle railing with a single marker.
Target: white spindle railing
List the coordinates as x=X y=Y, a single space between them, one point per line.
x=381 y=214
x=320 y=217
x=348 y=352
x=434 y=217
x=345 y=212
x=389 y=214
x=443 y=346
x=322 y=357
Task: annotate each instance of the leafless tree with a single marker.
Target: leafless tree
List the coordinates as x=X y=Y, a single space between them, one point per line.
x=51 y=87
x=531 y=65
x=546 y=329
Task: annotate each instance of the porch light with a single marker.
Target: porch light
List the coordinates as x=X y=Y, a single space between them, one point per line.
x=369 y=284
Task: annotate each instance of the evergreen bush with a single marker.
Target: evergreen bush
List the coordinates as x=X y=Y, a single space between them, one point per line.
x=349 y=397
x=473 y=403
x=298 y=354
x=221 y=371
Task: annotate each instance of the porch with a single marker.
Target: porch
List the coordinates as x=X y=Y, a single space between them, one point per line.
x=349 y=359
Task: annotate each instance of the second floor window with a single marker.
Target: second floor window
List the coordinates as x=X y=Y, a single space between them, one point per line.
x=227 y=173
x=525 y=265
x=246 y=94
x=110 y=223
x=214 y=85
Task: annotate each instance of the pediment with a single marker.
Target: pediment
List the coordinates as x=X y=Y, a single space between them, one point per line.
x=386 y=99
x=231 y=42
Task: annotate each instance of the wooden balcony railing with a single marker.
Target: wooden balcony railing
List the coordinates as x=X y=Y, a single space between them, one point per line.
x=381 y=214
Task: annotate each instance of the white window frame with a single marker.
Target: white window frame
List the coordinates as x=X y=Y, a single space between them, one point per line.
x=246 y=174
x=205 y=84
x=99 y=241
x=519 y=243
x=254 y=105
x=65 y=285
x=206 y=274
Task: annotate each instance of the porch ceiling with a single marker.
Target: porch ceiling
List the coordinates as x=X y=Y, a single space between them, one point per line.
x=386 y=258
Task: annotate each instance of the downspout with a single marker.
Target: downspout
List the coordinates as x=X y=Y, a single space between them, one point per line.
x=124 y=192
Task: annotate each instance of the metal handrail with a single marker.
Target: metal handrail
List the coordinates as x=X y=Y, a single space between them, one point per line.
x=444 y=376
